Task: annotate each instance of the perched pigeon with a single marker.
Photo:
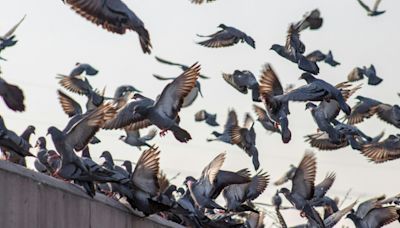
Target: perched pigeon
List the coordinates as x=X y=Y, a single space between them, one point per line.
x=182 y=66
x=362 y=110
x=374 y=11
x=230 y=122
x=41 y=163
x=303 y=188
x=243 y=81
x=165 y=110
x=114 y=16
x=7 y=40
x=245 y=138
x=226 y=37
x=386 y=150
x=203 y=115
x=236 y=195
x=13 y=156
x=83 y=67
x=9 y=141
x=265 y=121
x=12 y=95
x=133 y=137
x=317 y=56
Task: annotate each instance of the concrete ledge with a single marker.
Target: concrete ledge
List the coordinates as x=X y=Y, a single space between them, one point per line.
x=29 y=199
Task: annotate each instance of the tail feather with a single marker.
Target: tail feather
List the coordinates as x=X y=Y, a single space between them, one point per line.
x=180 y=134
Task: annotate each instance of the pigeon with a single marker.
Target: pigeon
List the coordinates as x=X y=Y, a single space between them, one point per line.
x=114 y=16
x=12 y=95
x=303 y=188
x=294 y=50
x=243 y=81
x=355 y=74
x=203 y=115
x=227 y=36
x=200 y=189
x=245 y=138
x=236 y=195
x=372 y=214
x=54 y=161
x=374 y=11
x=276 y=202
x=41 y=164
x=7 y=40
x=145 y=183
x=362 y=110
x=182 y=66
x=83 y=67
x=317 y=56
x=9 y=141
x=265 y=121
x=311 y=20
x=123 y=94
x=165 y=110
x=200 y=1
x=386 y=150
x=388 y=113
x=224 y=136
x=13 y=156
x=193 y=94
x=133 y=137
x=373 y=79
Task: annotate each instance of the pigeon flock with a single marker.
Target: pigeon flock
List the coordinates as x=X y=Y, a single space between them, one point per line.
x=193 y=203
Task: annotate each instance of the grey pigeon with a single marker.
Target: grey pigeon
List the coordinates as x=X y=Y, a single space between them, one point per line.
x=193 y=94
x=12 y=95
x=311 y=20
x=203 y=115
x=236 y=195
x=165 y=110
x=303 y=188
x=7 y=40
x=265 y=121
x=230 y=122
x=40 y=162
x=362 y=110
x=226 y=37
x=370 y=73
x=374 y=11
x=145 y=184
x=388 y=113
x=9 y=141
x=200 y=189
x=127 y=117
x=317 y=56
x=114 y=16
x=245 y=138
x=372 y=214
x=386 y=150
x=13 y=156
x=134 y=138
x=182 y=66
x=83 y=67
x=243 y=81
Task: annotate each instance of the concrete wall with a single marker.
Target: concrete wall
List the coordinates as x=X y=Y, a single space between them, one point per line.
x=32 y=200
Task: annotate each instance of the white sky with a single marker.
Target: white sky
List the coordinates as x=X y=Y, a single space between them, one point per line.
x=53 y=38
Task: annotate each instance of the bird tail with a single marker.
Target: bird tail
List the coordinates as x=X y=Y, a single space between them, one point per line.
x=374 y=80
x=250 y=41
x=144 y=39
x=180 y=134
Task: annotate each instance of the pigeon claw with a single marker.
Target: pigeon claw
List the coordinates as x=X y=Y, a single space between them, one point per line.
x=163 y=132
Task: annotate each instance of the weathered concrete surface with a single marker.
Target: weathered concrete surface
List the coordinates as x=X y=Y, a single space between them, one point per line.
x=32 y=200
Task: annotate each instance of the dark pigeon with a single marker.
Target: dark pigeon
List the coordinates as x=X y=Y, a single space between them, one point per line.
x=224 y=136
x=12 y=95
x=265 y=121
x=374 y=11
x=114 y=16
x=227 y=36
x=243 y=81
x=203 y=115
x=134 y=138
x=83 y=67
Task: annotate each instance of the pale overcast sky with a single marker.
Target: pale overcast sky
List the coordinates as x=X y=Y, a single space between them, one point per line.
x=53 y=37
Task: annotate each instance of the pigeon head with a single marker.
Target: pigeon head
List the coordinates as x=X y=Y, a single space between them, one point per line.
x=122 y=137
x=181 y=191
x=31 y=129
x=41 y=142
x=128 y=166
x=189 y=180
x=308 y=77
x=222 y=26
x=106 y=155
x=310 y=105
x=54 y=132
x=277 y=48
